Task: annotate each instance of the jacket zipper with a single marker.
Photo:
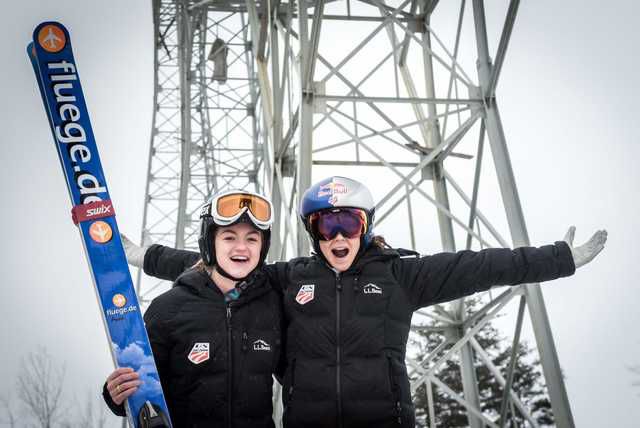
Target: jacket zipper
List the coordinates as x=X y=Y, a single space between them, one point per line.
x=395 y=392
x=291 y=384
x=338 y=350
x=229 y=367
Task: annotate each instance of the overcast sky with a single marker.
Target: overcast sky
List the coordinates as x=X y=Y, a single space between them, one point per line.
x=569 y=102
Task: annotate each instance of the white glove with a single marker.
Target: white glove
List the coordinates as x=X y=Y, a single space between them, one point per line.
x=584 y=253
x=135 y=254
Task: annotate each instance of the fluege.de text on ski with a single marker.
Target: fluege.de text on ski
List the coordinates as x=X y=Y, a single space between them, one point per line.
x=70 y=133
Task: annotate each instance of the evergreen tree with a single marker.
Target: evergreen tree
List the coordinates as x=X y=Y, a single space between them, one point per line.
x=527 y=382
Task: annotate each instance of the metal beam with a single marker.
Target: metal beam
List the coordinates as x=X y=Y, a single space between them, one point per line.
x=515 y=218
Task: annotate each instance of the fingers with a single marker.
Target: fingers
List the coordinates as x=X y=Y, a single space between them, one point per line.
x=122 y=383
x=601 y=237
x=135 y=253
x=590 y=249
x=571 y=233
x=125 y=241
x=124 y=390
x=119 y=371
x=598 y=239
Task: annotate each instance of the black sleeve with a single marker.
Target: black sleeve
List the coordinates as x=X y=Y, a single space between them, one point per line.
x=277 y=274
x=448 y=276
x=168 y=263
x=117 y=410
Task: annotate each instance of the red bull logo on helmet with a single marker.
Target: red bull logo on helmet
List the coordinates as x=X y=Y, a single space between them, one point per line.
x=333 y=190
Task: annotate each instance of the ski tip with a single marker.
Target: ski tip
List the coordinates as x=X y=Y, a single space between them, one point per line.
x=50 y=36
x=31 y=51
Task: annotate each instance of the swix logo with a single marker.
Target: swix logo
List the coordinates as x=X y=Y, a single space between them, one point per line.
x=199 y=353
x=92 y=211
x=261 y=345
x=305 y=294
x=100 y=211
x=372 y=289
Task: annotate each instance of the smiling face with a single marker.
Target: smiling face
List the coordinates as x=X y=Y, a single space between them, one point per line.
x=340 y=252
x=238 y=249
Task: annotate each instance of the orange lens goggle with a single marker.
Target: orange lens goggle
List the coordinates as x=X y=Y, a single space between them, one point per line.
x=231 y=205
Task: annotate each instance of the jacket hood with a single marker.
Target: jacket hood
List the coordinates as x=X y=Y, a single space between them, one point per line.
x=373 y=252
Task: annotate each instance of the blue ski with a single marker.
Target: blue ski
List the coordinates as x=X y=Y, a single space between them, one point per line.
x=55 y=68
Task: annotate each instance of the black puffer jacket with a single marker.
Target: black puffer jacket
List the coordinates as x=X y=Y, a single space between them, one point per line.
x=347 y=333
x=226 y=388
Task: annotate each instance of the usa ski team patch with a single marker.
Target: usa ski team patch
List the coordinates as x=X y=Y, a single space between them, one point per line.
x=199 y=353
x=305 y=294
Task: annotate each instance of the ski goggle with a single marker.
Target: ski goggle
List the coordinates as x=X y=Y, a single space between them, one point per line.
x=227 y=208
x=325 y=225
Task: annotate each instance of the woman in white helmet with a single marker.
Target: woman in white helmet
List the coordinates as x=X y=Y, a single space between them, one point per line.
x=348 y=307
x=216 y=335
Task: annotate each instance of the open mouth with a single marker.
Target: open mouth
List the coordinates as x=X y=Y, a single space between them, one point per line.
x=239 y=259
x=340 y=252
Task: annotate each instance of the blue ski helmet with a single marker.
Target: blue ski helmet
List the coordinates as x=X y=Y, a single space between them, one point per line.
x=337 y=192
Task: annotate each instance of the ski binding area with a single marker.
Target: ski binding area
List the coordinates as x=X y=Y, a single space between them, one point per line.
x=54 y=65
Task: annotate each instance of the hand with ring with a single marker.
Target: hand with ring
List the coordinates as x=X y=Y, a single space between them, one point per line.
x=122 y=383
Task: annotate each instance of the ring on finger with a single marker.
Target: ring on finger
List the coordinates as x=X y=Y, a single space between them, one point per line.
x=118 y=389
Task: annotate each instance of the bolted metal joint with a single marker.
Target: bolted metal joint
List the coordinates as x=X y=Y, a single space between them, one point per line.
x=417 y=24
x=288 y=163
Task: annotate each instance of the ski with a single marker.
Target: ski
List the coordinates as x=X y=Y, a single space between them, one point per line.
x=54 y=65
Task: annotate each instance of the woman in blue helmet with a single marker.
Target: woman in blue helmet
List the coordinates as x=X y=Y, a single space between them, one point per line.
x=348 y=307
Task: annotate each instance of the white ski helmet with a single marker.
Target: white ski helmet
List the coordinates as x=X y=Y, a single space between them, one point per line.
x=338 y=192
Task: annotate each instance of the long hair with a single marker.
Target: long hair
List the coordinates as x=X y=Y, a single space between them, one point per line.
x=380 y=242
x=199 y=265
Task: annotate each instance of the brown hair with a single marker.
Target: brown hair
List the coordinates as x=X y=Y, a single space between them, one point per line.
x=199 y=265
x=379 y=241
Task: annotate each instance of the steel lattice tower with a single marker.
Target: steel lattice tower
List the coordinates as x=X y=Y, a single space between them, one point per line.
x=272 y=96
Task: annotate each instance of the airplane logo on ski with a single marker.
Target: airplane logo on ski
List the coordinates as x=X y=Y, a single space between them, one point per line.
x=52 y=38
x=100 y=232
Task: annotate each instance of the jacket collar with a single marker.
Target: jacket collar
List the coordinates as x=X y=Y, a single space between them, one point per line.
x=200 y=282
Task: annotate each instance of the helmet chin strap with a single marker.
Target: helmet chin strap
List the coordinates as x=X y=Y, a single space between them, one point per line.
x=228 y=275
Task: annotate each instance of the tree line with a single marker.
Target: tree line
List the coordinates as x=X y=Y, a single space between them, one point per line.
x=36 y=399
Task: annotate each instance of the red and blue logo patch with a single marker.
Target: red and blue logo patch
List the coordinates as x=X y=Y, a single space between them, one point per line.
x=199 y=353
x=305 y=294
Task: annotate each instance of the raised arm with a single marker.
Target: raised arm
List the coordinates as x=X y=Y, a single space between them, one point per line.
x=448 y=276
x=168 y=263
x=159 y=261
